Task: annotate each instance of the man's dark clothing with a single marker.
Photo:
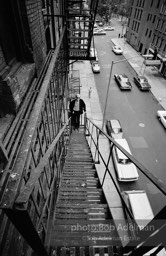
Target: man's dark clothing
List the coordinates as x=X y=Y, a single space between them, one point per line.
x=75 y=115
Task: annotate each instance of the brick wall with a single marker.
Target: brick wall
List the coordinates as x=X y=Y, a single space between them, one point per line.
x=36 y=24
x=14 y=84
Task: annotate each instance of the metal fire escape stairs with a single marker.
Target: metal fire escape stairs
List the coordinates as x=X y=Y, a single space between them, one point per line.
x=81 y=213
x=80 y=18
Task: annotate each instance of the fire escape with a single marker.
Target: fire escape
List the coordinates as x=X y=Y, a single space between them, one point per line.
x=80 y=18
x=48 y=183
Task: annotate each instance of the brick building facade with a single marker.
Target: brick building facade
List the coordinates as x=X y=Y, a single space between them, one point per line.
x=146 y=26
x=22 y=50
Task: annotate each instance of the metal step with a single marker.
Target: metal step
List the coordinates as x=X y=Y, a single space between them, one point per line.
x=81 y=204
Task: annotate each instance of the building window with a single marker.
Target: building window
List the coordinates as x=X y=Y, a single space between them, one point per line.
x=162 y=9
x=151 y=3
x=157 y=41
x=164 y=49
x=158 y=3
x=150 y=32
x=148 y=17
x=138 y=26
x=154 y=19
x=161 y=26
x=146 y=32
x=158 y=23
x=140 y=16
x=153 y=39
x=161 y=42
x=143 y=2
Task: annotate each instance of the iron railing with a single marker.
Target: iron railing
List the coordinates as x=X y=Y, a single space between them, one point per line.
x=139 y=241
x=40 y=137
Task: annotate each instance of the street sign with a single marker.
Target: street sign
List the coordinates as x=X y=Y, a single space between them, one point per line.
x=152 y=62
x=80 y=55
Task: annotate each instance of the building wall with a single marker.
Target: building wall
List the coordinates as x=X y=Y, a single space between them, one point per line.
x=37 y=33
x=143 y=18
x=22 y=59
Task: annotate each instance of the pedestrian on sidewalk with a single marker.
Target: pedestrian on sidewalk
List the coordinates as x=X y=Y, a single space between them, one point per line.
x=77 y=107
x=90 y=92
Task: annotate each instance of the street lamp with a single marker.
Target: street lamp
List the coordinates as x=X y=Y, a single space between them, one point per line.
x=112 y=63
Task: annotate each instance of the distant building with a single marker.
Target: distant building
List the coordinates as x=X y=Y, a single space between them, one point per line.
x=147 y=26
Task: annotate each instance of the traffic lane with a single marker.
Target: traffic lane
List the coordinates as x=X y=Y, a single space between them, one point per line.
x=103 y=45
x=136 y=111
x=141 y=108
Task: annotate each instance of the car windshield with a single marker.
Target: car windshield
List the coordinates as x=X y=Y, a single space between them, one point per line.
x=142 y=80
x=124 y=161
x=117 y=130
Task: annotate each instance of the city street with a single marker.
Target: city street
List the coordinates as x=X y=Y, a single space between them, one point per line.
x=136 y=111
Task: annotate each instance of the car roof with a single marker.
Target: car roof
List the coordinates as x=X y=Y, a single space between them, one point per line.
x=140 y=205
x=123 y=142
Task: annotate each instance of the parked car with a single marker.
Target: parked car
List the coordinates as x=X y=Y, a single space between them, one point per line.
x=117 y=50
x=139 y=205
x=123 y=81
x=162 y=116
x=95 y=67
x=109 y=28
x=125 y=169
x=142 y=83
x=99 y=32
x=93 y=53
x=114 y=129
x=100 y=24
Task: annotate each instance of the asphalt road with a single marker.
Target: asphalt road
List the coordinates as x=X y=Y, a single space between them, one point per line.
x=136 y=111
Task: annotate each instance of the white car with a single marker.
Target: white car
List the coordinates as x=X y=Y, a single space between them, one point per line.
x=162 y=116
x=95 y=67
x=123 y=81
x=93 y=53
x=139 y=205
x=114 y=129
x=125 y=169
x=109 y=28
x=117 y=50
x=99 y=32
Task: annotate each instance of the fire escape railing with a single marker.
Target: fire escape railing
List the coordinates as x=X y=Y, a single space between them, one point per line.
x=140 y=241
x=80 y=18
x=40 y=158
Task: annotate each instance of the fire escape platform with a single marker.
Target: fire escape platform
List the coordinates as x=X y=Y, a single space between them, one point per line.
x=81 y=211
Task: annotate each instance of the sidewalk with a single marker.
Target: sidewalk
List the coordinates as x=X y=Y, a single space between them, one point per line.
x=157 y=82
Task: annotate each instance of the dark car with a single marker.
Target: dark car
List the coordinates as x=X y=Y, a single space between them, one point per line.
x=142 y=83
x=114 y=129
x=123 y=81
